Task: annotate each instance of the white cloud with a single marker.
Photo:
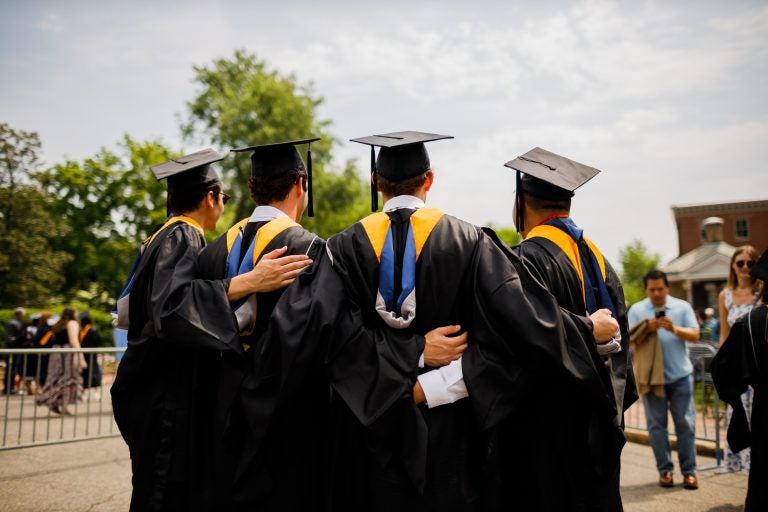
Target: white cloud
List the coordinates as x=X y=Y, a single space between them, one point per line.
x=667 y=98
x=51 y=23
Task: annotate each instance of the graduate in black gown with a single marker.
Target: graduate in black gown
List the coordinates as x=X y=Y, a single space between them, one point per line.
x=165 y=388
x=743 y=361
x=334 y=326
x=583 y=455
x=280 y=185
x=420 y=441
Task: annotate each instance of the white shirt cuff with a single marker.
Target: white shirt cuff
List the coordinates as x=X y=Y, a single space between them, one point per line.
x=444 y=385
x=610 y=347
x=421 y=360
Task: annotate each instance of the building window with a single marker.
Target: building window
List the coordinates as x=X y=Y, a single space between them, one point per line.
x=742 y=229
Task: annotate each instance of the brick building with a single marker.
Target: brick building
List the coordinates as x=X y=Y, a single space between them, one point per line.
x=707 y=236
x=744 y=223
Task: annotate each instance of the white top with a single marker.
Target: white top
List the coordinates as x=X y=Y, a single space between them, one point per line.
x=266 y=213
x=735 y=311
x=443 y=385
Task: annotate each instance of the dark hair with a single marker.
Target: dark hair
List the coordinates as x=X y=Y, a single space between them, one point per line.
x=66 y=315
x=185 y=201
x=655 y=274
x=555 y=205
x=85 y=318
x=266 y=190
x=408 y=186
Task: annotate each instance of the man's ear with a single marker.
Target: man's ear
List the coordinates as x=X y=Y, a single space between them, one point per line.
x=208 y=199
x=428 y=182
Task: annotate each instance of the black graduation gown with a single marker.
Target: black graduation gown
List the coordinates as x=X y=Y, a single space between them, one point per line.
x=583 y=457
x=397 y=456
x=238 y=484
x=92 y=373
x=743 y=360
x=165 y=389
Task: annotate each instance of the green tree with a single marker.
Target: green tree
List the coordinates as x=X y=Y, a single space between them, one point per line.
x=30 y=268
x=636 y=261
x=111 y=202
x=508 y=235
x=242 y=102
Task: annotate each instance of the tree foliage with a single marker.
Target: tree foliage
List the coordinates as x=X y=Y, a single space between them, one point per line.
x=70 y=231
x=242 y=102
x=30 y=267
x=636 y=261
x=508 y=235
x=110 y=201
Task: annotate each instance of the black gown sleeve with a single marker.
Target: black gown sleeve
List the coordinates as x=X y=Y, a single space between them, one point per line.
x=518 y=324
x=732 y=371
x=187 y=310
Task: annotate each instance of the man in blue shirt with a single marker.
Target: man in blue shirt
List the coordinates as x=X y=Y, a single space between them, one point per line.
x=675 y=323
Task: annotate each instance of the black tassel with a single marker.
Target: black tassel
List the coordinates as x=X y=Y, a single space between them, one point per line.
x=374 y=192
x=310 y=206
x=519 y=222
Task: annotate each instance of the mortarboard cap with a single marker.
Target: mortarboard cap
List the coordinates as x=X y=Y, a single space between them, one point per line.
x=189 y=170
x=269 y=160
x=550 y=176
x=546 y=175
x=402 y=156
x=760 y=270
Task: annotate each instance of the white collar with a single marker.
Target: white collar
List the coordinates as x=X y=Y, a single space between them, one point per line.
x=266 y=212
x=404 y=201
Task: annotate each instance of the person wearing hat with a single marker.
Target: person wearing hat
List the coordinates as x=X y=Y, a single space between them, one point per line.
x=281 y=186
x=742 y=361
x=164 y=391
x=585 y=430
x=413 y=410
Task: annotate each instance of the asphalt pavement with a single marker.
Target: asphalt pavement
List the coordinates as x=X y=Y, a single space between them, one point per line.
x=95 y=476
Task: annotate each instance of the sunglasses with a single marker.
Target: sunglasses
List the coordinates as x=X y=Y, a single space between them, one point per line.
x=224 y=197
x=748 y=263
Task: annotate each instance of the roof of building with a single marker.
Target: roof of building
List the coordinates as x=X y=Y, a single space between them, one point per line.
x=709 y=261
x=720 y=208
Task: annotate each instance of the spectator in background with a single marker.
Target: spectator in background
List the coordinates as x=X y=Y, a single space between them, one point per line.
x=675 y=323
x=26 y=364
x=90 y=338
x=64 y=383
x=43 y=336
x=15 y=334
x=711 y=324
x=743 y=362
x=741 y=292
x=740 y=295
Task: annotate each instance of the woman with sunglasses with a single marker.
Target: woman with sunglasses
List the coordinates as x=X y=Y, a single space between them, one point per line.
x=740 y=295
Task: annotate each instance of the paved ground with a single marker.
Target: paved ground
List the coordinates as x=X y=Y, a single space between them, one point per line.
x=95 y=476
x=718 y=491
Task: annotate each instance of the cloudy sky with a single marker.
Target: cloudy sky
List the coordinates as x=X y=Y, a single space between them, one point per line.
x=667 y=98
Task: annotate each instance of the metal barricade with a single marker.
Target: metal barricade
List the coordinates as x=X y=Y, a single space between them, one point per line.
x=710 y=418
x=25 y=423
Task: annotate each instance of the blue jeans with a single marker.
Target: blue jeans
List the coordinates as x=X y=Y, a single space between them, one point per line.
x=679 y=397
